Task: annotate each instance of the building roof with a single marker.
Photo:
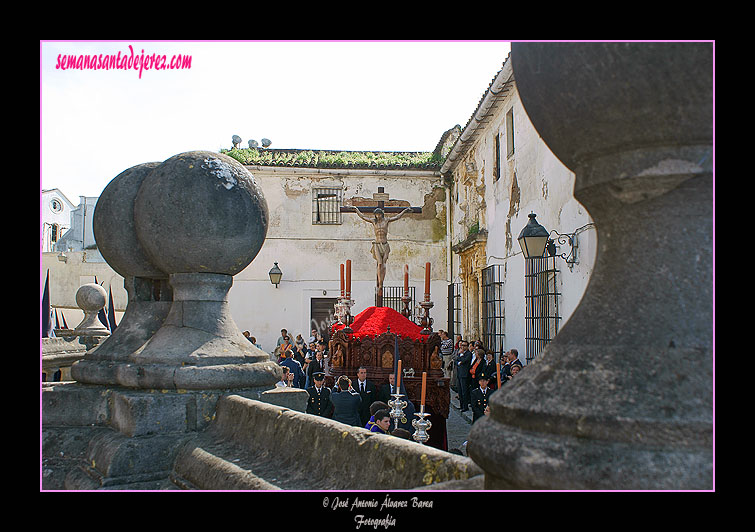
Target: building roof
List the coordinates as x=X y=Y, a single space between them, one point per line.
x=304 y=158
x=490 y=102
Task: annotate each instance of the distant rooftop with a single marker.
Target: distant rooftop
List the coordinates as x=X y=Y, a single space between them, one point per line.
x=387 y=160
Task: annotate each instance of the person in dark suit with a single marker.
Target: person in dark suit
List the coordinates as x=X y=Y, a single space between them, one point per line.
x=489 y=369
x=385 y=395
x=316 y=365
x=367 y=391
x=479 y=398
x=346 y=403
x=463 y=363
x=515 y=358
x=319 y=402
x=387 y=389
x=512 y=359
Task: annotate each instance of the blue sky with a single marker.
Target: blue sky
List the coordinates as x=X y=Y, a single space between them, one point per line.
x=344 y=95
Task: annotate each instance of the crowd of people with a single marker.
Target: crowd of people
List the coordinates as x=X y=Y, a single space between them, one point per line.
x=302 y=357
x=474 y=372
x=472 y=369
x=358 y=403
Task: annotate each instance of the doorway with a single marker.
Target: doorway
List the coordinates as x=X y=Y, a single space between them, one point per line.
x=322 y=315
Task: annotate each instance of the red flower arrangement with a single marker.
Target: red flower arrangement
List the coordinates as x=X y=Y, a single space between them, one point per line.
x=374 y=321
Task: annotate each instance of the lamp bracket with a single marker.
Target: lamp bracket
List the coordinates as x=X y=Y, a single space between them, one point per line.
x=569 y=239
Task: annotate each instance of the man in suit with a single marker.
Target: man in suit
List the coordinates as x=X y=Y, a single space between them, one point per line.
x=489 y=369
x=479 y=398
x=346 y=403
x=367 y=391
x=385 y=395
x=512 y=359
x=463 y=363
x=386 y=390
x=319 y=402
x=515 y=358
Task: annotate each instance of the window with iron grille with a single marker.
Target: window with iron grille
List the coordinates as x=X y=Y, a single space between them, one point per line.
x=392 y=298
x=454 y=310
x=542 y=302
x=493 y=309
x=326 y=205
x=457 y=309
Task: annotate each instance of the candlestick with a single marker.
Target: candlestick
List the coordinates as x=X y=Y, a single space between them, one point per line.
x=421 y=425
x=348 y=278
x=427 y=281
x=424 y=388
x=397 y=409
x=425 y=321
x=342 y=283
x=406 y=279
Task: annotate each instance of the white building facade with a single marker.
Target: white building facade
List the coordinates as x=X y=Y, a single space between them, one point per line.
x=476 y=195
x=500 y=171
x=309 y=238
x=56 y=211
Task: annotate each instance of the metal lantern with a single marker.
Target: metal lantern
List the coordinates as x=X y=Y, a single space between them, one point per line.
x=275 y=275
x=533 y=238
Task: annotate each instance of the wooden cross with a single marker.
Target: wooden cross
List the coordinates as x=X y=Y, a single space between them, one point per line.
x=380 y=227
x=381 y=197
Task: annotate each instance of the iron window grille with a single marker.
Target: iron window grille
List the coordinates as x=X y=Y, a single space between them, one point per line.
x=493 y=312
x=392 y=298
x=542 y=304
x=326 y=205
x=454 y=310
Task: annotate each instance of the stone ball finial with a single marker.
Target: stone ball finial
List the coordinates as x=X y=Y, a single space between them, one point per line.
x=91 y=298
x=202 y=212
x=113 y=225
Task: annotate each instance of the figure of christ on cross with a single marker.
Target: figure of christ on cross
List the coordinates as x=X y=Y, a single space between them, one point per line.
x=380 y=247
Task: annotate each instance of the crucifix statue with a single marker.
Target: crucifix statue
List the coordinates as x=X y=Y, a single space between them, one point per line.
x=380 y=247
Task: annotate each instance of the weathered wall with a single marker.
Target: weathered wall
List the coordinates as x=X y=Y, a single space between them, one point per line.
x=309 y=255
x=531 y=179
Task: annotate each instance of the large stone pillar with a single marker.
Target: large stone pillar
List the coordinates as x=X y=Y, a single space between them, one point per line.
x=178 y=232
x=622 y=397
x=149 y=294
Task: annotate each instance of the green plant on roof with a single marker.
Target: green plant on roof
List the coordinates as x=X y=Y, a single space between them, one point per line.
x=331 y=158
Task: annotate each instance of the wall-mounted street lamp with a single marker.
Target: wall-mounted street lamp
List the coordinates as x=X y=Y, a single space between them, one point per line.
x=275 y=275
x=535 y=240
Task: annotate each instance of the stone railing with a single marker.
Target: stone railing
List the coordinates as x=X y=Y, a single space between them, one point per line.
x=60 y=354
x=256 y=445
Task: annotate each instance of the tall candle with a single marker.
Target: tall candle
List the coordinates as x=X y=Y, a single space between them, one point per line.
x=424 y=387
x=498 y=374
x=398 y=377
x=406 y=279
x=427 y=281
x=348 y=278
x=342 y=285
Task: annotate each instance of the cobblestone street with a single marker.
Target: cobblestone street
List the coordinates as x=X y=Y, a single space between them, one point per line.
x=458 y=425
